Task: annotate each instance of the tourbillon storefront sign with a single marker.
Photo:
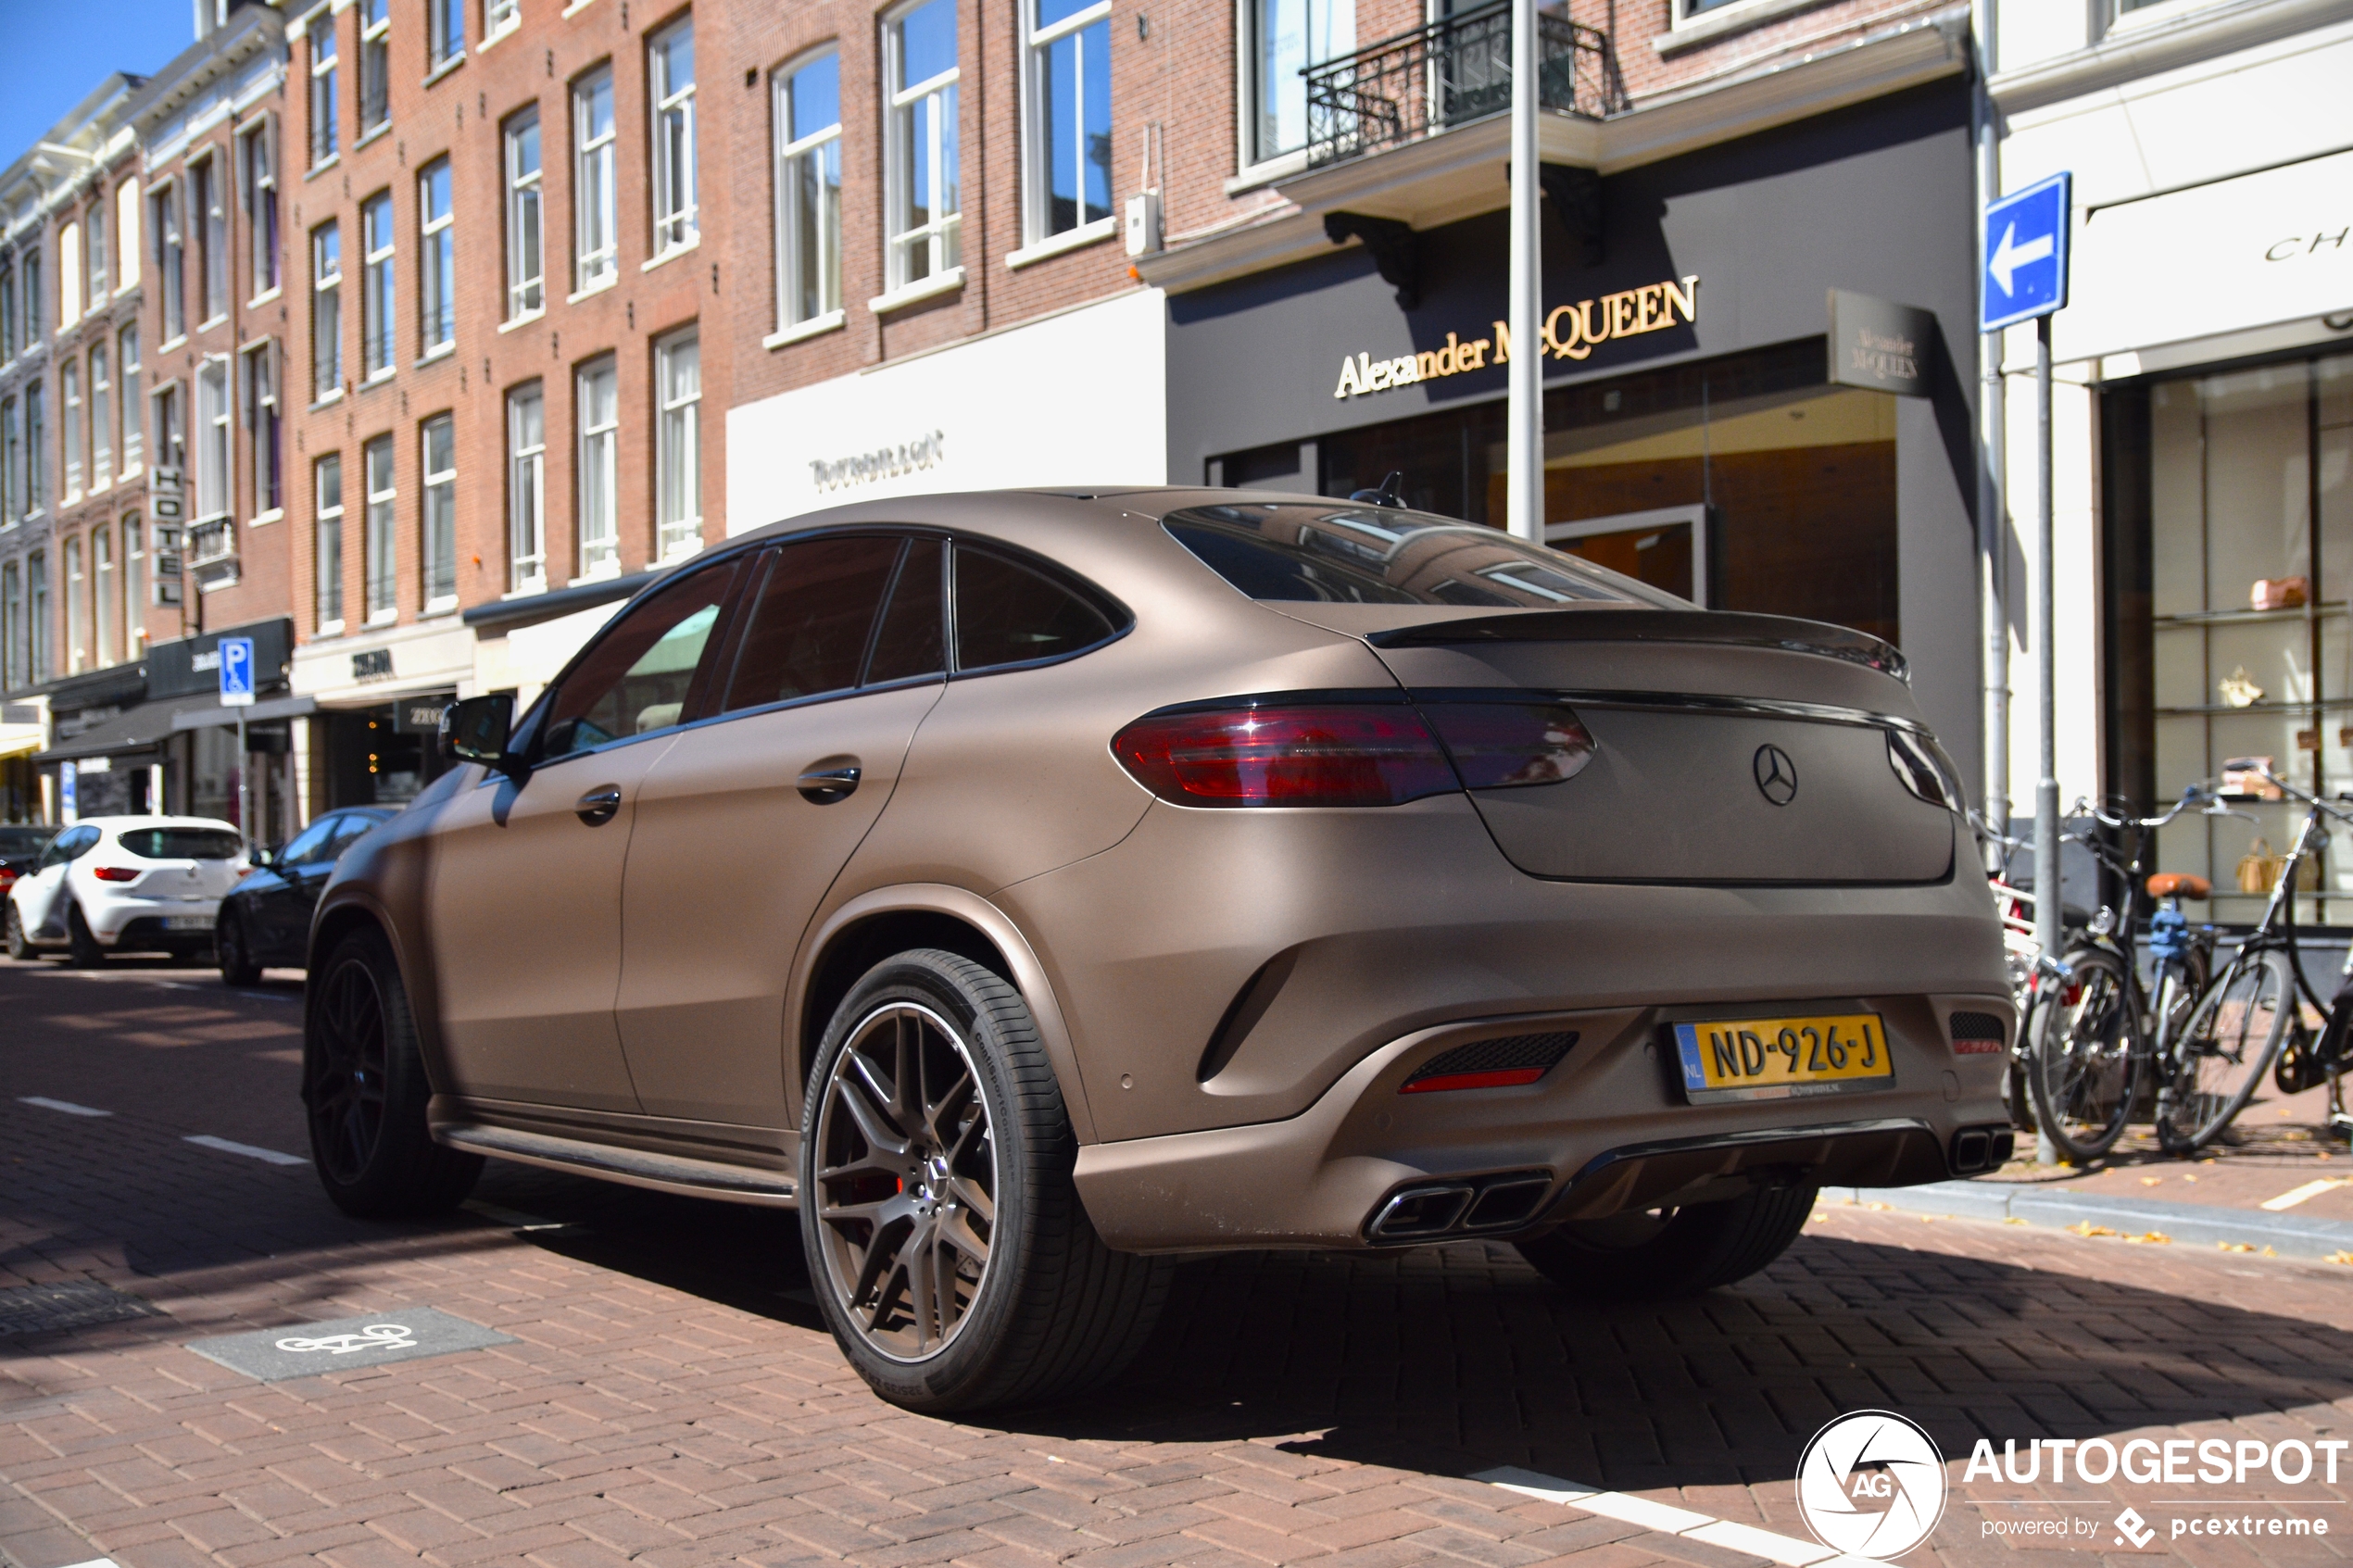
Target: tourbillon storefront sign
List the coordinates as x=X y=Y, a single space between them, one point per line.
x=1571 y=332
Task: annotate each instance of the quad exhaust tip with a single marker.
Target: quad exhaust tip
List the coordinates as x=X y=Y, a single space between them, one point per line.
x=1475 y=1205
x=1978 y=1149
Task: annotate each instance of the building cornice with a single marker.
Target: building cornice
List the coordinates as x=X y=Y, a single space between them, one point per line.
x=2128 y=53
x=1446 y=177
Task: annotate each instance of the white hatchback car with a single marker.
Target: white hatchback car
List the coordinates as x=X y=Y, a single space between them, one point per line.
x=126 y=884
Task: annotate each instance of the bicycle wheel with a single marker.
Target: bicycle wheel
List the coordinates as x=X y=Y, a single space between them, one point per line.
x=2221 y=1056
x=2087 y=1058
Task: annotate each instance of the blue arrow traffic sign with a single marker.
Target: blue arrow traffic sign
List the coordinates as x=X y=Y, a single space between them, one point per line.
x=236 y=672
x=2025 y=254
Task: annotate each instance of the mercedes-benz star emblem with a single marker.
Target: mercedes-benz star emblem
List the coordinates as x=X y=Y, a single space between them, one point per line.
x=1776 y=775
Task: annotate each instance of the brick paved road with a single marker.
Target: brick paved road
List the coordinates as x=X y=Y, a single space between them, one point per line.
x=671 y=1399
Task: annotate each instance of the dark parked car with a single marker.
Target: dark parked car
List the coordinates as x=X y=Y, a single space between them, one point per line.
x=265 y=922
x=21 y=847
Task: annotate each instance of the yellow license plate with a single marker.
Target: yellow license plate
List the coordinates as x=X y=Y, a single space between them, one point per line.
x=1776 y=1058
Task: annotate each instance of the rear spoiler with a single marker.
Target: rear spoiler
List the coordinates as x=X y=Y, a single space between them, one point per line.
x=1786 y=633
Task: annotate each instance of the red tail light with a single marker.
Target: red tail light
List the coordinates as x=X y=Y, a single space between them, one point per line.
x=114 y=874
x=1500 y=745
x=1307 y=755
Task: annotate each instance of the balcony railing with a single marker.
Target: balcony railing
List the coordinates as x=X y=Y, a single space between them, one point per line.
x=1449 y=73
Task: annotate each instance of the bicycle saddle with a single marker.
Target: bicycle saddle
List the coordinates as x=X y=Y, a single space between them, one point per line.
x=2166 y=885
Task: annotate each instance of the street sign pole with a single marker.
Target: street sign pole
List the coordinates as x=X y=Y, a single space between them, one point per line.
x=1524 y=394
x=235 y=656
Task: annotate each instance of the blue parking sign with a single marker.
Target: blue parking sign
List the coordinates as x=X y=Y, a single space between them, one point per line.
x=236 y=672
x=2025 y=254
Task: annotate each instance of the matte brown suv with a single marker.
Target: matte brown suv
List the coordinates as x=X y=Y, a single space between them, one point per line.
x=1031 y=887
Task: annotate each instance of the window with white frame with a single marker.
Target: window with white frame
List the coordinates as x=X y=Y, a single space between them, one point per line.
x=257 y=170
x=526 y=490
x=923 y=195
x=7 y=313
x=134 y=585
x=809 y=191
x=77 y=609
x=172 y=279
x=596 y=256
x=103 y=603
x=70 y=396
x=31 y=270
x=212 y=237
x=670 y=78
x=436 y=260
x=1067 y=184
x=322 y=88
x=68 y=275
x=101 y=417
x=326 y=478
x=526 y=268
x=127 y=196
x=377 y=542
x=12 y=660
x=678 y=444
x=265 y=423
x=375 y=286
x=36 y=437
x=93 y=229
x=437 y=552
x=36 y=596
x=375 y=65
x=445 y=31
x=498 y=15
x=214 y=416
x=326 y=310
x=133 y=435
x=11 y=465
x=598 y=421
x=1286 y=37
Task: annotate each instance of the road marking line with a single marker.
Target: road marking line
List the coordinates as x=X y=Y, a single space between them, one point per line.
x=2309 y=1189
x=1663 y=1517
x=227 y=1146
x=45 y=1103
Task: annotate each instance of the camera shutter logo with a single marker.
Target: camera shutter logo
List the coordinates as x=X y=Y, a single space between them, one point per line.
x=1871 y=1485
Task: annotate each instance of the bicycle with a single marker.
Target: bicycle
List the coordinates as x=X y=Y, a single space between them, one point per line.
x=2101 y=1042
x=2234 y=1037
x=2022 y=958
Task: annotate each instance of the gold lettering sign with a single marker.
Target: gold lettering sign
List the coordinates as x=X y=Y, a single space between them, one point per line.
x=1571 y=332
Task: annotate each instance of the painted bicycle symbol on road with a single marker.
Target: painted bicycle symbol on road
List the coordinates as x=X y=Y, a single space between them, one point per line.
x=375 y=1336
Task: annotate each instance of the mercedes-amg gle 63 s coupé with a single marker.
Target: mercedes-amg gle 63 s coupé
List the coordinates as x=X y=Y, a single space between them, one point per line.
x=1032 y=887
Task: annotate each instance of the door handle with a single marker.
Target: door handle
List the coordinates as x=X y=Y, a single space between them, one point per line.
x=600 y=805
x=823 y=787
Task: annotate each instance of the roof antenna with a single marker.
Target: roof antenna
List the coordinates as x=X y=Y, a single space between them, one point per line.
x=1387 y=495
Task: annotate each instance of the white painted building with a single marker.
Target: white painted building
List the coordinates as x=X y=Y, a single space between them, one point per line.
x=2203 y=410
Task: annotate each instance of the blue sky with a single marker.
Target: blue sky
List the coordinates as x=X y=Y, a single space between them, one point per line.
x=59 y=50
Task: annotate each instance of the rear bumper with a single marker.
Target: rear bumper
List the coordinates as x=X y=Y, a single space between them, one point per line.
x=1604 y=1131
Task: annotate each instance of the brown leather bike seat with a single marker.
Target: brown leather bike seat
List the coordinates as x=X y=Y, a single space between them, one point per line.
x=2166 y=885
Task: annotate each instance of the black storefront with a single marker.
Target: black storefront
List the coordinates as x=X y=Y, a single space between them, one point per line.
x=1694 y=435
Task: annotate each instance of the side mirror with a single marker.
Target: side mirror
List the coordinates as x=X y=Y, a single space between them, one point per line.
x=476 y=731
x=263 y=855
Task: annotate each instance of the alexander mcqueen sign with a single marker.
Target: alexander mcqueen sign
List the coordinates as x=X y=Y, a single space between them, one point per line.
x=1571 y=332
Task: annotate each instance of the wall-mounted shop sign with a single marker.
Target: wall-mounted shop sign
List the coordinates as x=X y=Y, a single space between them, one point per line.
x=883 y=462
x=371 y=664
x=1879 y=346
x=1571 y=332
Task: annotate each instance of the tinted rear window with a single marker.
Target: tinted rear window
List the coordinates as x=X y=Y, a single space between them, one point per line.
x=1332 y=554
x=181 y=844
x=16 y=841
x=1008 y=614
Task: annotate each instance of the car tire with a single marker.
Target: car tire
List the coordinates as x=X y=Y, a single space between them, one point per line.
x=364 y=1089
x=81 y=943
x=935 y=1129
x=1657 y=1255
x=19 y=946
x=233 y=953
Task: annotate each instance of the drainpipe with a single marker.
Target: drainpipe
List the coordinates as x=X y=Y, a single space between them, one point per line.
x=1524 y=410
x=1993 y=510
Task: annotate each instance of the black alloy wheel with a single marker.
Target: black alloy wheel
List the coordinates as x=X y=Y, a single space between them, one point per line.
x=233 y=953
x=81 y=943
x=906 y=1191
x=20 y=947
x=365 y=1089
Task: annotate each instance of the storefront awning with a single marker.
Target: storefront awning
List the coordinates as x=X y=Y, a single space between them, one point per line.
x=260 y=712
x=126 y=733
x=19 y=746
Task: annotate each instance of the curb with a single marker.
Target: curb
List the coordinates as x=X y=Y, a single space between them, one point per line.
x=2198 y=1223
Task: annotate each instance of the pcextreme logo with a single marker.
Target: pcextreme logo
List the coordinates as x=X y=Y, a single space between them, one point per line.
x=1871 y=1485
